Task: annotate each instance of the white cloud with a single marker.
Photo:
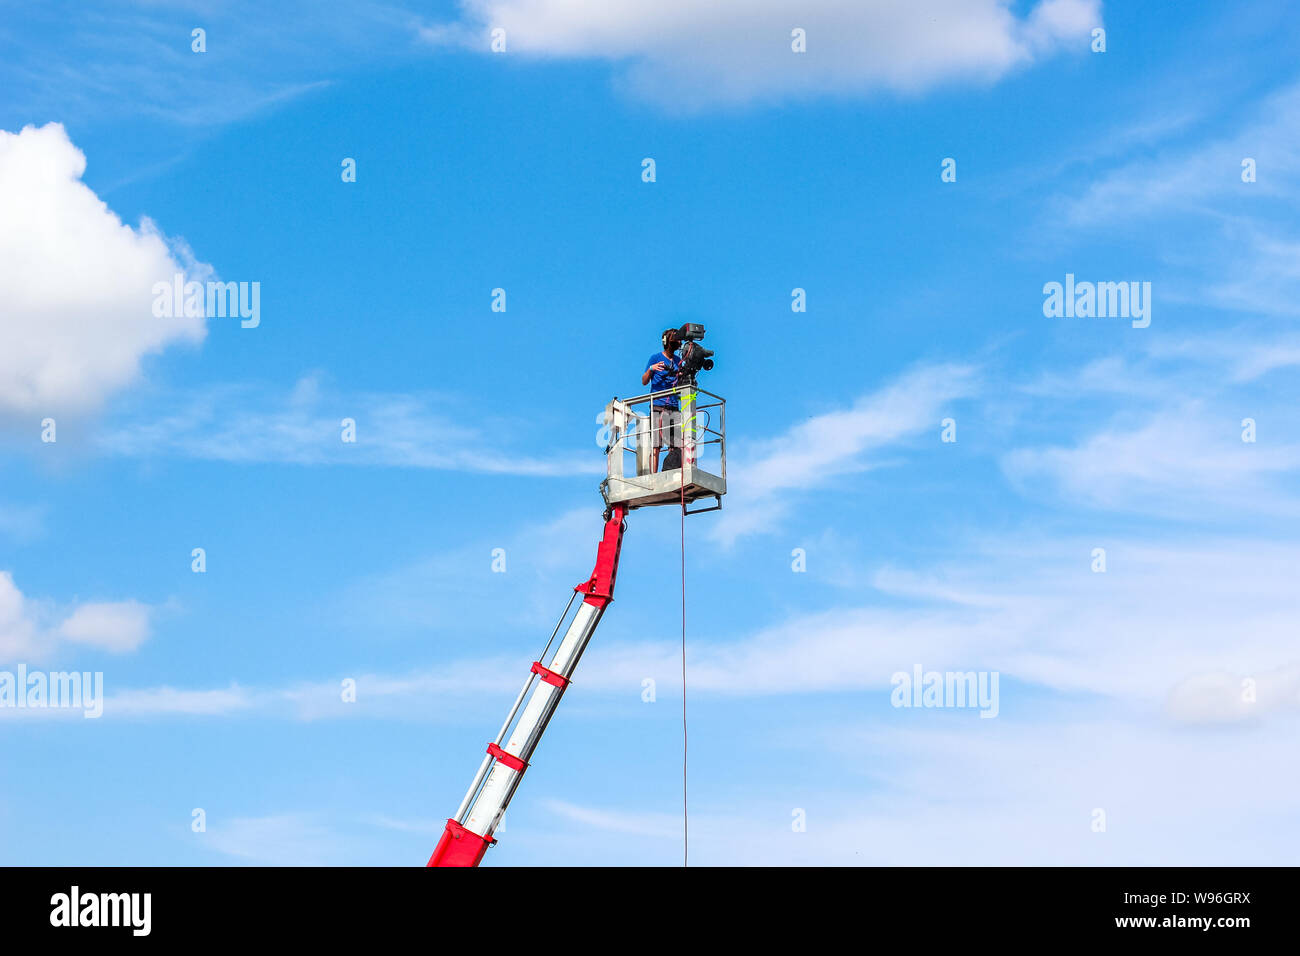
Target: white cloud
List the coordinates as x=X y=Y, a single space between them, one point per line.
x=1030 y=609
x=816 y=451
x=1025 y=794
x=1263 y=279
x=662 y=825
x=922 y=791
x=1234 y=356
x=1221 y=697
x=136 y=61
x=1235 y=242
x=1177 y=461
x=34 y=629
x=298 y=839
x=432 y=592
x=927 y=792
x=1199 y=178
x=689 y=55
x=118 y=627
x=935 y=792
x=169 y=701
x=18 y=629
x=247 y=424
x=444 y=695
x=1144 y=634
x=76 y=282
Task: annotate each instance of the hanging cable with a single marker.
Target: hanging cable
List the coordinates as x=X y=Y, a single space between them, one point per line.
x=686 y=825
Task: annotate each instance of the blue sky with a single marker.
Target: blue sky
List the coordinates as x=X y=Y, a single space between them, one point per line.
x=127 y=157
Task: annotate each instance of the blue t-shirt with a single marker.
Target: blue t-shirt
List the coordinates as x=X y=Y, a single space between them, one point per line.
x=665 y=379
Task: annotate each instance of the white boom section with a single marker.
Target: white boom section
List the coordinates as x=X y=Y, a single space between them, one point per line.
x=487 y=808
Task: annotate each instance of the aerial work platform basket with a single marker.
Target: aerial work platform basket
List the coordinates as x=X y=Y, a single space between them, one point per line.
x=700 y=436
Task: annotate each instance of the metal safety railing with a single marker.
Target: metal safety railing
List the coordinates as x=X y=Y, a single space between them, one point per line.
x=698 y=430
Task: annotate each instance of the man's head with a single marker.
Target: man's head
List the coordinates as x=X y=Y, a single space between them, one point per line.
x=670 y=340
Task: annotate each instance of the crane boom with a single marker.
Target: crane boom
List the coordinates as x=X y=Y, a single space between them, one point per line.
x=469 y=833
x=631 y=437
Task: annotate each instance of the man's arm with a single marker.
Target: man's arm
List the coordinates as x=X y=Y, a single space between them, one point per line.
x=650 y=370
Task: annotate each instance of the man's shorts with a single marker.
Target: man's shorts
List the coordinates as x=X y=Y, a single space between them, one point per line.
x=665 y=427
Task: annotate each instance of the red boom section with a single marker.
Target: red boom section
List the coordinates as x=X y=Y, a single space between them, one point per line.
x=599 y=588
x=459 y=847
x=462 y=847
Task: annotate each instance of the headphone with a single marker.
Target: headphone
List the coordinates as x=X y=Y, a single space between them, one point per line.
x=669 y=336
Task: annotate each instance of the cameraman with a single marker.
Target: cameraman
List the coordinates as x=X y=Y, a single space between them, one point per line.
x=665 y=412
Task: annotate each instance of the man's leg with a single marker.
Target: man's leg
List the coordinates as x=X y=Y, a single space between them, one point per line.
x=670 y=435
x=656 y=432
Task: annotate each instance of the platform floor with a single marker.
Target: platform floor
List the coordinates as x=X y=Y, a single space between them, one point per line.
x=664 y=488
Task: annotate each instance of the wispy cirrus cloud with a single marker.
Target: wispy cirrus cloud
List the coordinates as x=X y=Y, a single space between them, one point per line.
x=979 y=793
x=1030 y=792
x=1031 y=609
x=1175 y=461
x=1150 y=634
x=1242 y=253
x=431 y=592
x=283 y=839
x=829 y=445
x=304 y=425
x=429 y=696
x=1188 y=427
x=138 y=61
x=172 y=702
x=639 y=823
x=1201 y=178
x=973 y=794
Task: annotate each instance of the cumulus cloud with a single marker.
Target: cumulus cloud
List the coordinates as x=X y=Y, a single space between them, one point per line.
x=118 y=627
x=17 y=626
x=33 y=629
x=690 y=54
x=76 y=282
